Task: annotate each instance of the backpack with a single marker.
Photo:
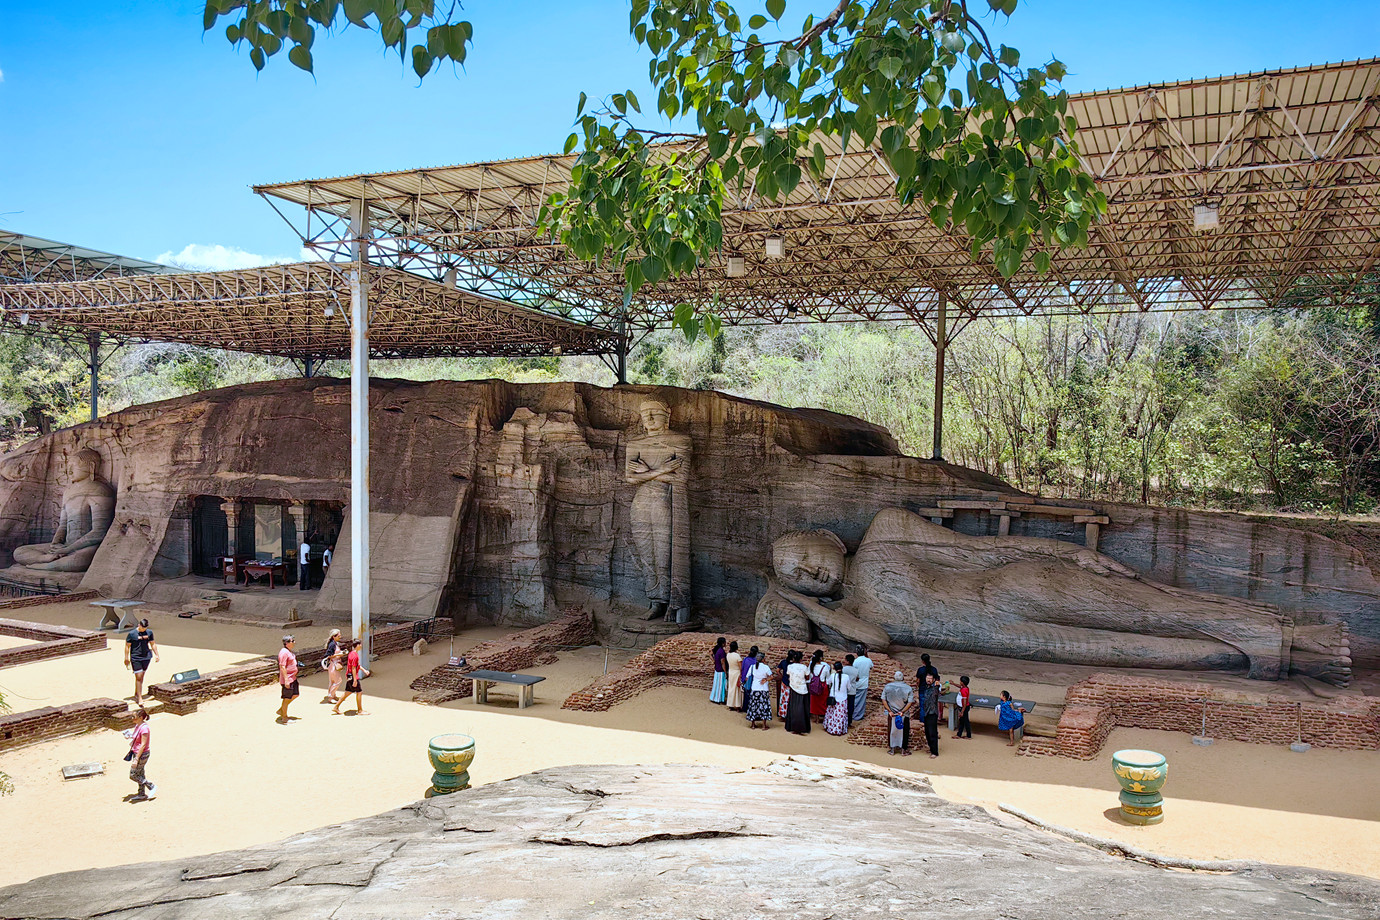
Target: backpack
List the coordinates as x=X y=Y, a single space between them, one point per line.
x=816 y=685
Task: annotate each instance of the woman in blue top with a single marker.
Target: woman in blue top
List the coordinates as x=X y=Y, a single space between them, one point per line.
x=1010 y=716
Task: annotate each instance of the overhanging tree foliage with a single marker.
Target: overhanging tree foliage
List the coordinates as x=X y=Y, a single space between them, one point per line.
x=981 y=142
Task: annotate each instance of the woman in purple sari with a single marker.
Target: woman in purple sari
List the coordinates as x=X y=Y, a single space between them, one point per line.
x=718 y=692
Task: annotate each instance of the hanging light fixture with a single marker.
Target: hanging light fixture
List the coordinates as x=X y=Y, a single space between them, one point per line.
x=1205 y=217
x=23 y=319
x=736 y=267
x=556 y=350
x=776 y=247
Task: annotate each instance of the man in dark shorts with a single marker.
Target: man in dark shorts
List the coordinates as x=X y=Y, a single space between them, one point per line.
x=287 y=677
x=140 y=652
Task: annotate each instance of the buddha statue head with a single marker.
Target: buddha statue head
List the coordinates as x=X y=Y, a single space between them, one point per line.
x=85 y=464
x=656 y=415
x=809 y=561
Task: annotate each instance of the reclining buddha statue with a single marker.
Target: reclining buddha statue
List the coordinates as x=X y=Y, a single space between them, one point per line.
x=1031 y=597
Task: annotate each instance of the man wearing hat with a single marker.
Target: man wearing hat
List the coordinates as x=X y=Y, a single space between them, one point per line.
x=897 y=698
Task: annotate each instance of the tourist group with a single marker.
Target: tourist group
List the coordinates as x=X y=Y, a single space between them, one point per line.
x=342 y=663
x=835 y=695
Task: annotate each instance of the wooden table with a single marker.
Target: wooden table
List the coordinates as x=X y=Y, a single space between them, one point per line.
x=117 y=611
x=977 y=702
x=259 y=569
x=483 y=680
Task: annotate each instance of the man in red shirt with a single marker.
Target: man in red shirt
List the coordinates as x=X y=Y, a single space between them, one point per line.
x=963 y=708
x=287 y=677
x=355 y=673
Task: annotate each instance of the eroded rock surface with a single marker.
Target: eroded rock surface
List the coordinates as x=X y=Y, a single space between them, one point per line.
x=803 y=838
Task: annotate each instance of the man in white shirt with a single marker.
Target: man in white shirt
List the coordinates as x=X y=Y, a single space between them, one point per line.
x=864 y=666
x=304 y=565
x=850 y=670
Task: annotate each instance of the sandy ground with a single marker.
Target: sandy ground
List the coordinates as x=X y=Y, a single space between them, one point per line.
x=228 y=776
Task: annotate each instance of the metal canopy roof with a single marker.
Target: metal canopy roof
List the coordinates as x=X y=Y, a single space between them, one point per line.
x=283 y=310
x=1289 y=158
x=26 y=259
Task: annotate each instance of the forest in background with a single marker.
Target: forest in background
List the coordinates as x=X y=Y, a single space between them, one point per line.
x=1248 y=410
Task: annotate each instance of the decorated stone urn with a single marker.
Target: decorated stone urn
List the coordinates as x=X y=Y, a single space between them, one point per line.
x=1141 y=775
x=451 y=756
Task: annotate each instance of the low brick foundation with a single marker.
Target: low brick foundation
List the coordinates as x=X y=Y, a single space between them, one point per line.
x=183 y=698
x=48 y=641
x=36 y=725
x=1095 y=706
x=39 y=600
x=21 y=728
x=686 y=661
x=529 y=648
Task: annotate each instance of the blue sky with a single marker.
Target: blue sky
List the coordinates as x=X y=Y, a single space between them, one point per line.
x=122 y=128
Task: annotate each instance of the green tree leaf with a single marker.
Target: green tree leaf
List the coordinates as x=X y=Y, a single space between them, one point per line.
x=301 y=57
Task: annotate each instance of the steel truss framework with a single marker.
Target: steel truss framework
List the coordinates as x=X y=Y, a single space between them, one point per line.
x=26 y=259
x=1290 y=159
x=301 y=311
x=29 y=259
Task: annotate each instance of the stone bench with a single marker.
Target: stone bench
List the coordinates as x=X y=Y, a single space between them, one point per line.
x=976 y=701
x=483 y=680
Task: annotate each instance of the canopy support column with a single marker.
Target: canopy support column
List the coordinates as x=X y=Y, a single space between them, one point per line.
x=359 y=430
x=93 y=341
x=308 y=366
x=941 y=341
x=620 y=365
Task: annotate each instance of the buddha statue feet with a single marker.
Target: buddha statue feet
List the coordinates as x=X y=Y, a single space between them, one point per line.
x=1322 y=651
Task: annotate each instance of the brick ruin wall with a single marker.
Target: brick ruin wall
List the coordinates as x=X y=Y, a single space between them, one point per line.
x=529 y=648
x=49 y=641
x=21 y=728
x=1095 y=706
x=184 y=698
x=685 y=661
x=42 y=599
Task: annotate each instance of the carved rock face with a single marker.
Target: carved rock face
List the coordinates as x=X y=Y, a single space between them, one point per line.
x=809 y=561
x=780 y=619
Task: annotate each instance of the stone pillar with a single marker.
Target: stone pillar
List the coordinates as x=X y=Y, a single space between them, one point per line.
x=298 y=510
x=1003 y=525
x=231 y=507
x=1092 y=531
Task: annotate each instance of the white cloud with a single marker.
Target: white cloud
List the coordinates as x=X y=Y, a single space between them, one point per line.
x=2 y=76
x=216 y=258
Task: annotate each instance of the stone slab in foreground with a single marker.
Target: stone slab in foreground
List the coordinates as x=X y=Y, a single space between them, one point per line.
x=804 y=838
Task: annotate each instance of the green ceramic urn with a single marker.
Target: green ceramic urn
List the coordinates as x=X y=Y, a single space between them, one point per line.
x=451 y=756
x=1141 y=775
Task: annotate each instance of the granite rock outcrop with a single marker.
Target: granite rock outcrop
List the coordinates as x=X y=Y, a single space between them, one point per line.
x=799 y=838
